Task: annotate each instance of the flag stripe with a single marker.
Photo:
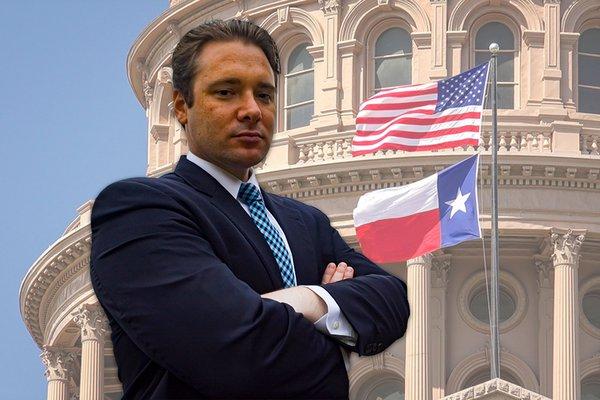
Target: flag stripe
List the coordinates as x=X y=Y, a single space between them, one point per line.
x=419 y=131
x=380 y=242
x=399 y=106
x=416 y=197
x=396 y=146
x=425 y=110
x=407 y=90
x=363 y=124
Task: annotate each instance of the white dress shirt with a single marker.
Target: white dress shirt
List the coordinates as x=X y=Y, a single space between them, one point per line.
x=333 y=323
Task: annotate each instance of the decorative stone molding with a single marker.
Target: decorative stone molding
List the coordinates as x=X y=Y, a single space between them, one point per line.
x=165 y=76
x=283 y=15
x=498 y=387
x=58 y=363
x=148 y=92
x=544 y=269
x=92 y=321
x=173 y=30
x=441 y=266
x=48 y=275
x=330 y=6
x=480 y=360
x=365 y=368
x=566 y=247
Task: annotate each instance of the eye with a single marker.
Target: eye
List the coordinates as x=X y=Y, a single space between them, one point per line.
x=266 y=97
x=224 y=92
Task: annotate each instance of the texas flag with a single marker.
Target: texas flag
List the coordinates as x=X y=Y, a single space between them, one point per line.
x=400 y=223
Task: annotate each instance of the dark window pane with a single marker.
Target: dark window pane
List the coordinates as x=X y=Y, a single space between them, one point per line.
x=506 y=96
x=590 y=390
x=299 y=116
x=479 y=306
x=393 y=72
x=482 y=57
x=589 y=41
x=589 y=70
x=589 y=100
x=393 y=41
x=506 y=68
x=300 y=88
x=392 y=389
x=591 y=308
x=300 y=60
x=494 y=32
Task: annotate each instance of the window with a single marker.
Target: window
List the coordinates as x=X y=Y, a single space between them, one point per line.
x=479 y=305
x=589 y=78
x=299 y=87
x=591 y=307
x=393 y=59
x=499 y=33
x=590 y=388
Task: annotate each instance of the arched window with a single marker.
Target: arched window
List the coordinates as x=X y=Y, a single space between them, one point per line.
x=299 y=88
x=589 y=78
x=590 y=388
x=499 y=33
x=393 y=59
x=382 y=386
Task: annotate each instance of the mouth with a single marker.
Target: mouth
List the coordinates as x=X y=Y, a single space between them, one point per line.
x=249 y=134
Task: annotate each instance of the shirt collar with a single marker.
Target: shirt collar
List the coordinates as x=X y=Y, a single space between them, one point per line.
x=228 y=181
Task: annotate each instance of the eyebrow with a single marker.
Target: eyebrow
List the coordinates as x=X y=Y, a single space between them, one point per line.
x=235 y=81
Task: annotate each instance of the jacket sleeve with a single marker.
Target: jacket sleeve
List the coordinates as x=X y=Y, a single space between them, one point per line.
x=374 y=301
x=155 y=273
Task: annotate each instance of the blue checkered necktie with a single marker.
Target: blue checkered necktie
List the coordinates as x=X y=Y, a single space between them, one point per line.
x=250 y=196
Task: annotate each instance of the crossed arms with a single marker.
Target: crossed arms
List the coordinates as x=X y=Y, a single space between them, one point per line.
x=162 y=277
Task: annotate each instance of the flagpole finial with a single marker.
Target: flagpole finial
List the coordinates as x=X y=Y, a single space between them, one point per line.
x=494 y=47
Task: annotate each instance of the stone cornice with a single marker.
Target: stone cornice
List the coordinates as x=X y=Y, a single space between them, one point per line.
x=47 y=274
x=501 y=388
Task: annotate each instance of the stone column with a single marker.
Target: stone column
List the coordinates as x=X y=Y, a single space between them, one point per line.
x=543 y=266
x=417 y=385
x=552 y=74
x=438 y=39
x=439 y=282
x=58 y=363
x=457 y=56
x=94 y=330
x=565 y=259
x=327 y=102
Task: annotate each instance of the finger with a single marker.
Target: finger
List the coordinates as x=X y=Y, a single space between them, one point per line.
x=329 y=271
x=349 y=273
x=339 y=273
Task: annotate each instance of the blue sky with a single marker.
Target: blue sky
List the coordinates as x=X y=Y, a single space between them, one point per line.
x=70 y=125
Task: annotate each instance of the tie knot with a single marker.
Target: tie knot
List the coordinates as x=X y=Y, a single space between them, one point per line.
x=248 y=194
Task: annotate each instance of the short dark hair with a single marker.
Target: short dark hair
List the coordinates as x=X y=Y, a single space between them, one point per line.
x=184 y=61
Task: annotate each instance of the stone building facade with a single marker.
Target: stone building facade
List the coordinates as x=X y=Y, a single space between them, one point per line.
x=334 y=55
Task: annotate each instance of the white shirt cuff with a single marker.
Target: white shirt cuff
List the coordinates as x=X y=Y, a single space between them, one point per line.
x=334 y=323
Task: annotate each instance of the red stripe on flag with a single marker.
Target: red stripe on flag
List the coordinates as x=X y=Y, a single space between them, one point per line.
x=414 y=135
x=396 y=146
x=398 y=106
x=399 y=239
x=404 y=93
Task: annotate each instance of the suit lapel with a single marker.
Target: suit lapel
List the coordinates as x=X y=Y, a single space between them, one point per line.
x=222 y=200
x=297 y=236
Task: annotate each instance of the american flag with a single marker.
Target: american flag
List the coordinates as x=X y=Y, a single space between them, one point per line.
x=428 y=116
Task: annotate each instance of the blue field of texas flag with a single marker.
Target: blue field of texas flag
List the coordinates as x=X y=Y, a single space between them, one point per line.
x=400 y=223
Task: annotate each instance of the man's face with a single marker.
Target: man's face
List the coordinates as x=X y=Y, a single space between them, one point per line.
x=231 y=121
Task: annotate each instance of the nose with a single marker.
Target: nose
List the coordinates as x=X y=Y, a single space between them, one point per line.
x=249 y=110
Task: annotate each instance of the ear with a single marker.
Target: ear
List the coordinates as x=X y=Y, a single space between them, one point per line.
x=180 y=107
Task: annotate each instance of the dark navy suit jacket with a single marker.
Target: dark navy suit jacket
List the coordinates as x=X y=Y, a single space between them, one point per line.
x=179 y=266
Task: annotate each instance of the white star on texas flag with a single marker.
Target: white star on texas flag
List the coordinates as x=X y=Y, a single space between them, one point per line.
x=458 y=204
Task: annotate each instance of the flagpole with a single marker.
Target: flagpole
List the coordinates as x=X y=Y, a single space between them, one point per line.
x=494 y=335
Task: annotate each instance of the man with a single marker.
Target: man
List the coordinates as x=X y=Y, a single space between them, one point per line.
x=211 y=286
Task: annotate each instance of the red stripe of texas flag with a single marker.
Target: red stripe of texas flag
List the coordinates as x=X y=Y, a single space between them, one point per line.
x=379 y=239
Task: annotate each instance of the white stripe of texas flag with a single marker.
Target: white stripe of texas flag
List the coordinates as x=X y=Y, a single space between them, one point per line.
x=397 y=202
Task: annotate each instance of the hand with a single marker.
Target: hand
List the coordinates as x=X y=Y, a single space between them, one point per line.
x=337 y=273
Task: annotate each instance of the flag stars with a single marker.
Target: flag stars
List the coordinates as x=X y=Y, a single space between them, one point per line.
x=459 y=203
